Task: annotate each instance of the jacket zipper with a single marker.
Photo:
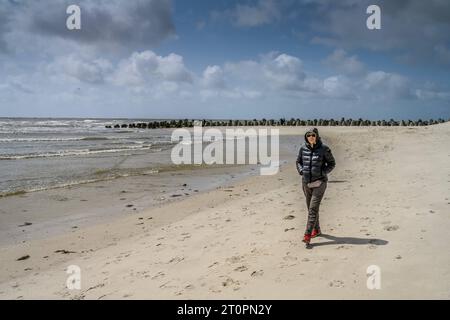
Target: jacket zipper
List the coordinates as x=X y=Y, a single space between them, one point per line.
x=310 y=166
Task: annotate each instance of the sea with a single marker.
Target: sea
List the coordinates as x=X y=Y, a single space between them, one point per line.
x=40 y=154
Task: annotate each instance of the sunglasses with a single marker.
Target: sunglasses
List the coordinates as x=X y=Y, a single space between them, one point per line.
x=310 y=135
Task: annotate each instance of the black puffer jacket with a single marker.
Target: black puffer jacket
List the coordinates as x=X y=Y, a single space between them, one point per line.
x=315 y=163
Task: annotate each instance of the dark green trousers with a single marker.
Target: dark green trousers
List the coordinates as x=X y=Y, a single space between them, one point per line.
x=313 y=198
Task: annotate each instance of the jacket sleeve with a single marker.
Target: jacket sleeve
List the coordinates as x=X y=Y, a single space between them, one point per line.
x=299 y=162
x=330 y=163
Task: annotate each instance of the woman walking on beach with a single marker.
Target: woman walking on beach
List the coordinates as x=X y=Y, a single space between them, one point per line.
x=314 y=162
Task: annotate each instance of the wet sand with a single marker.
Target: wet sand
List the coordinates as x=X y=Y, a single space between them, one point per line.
x=42 y=214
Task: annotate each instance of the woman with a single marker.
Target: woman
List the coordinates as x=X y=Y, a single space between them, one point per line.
x=314 y=162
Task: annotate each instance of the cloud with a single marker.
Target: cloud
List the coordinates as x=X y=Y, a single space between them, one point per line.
x=284 y=71
x=5 y=24
x=214 y=85
x=213 y=77
x=144 y=68
x=388 y=84
x=93 y=72
x=414 y=30
x=272 y=71
x=142 y=73
x=235 y=93
x=340 y=61
x=16 y=85
x=264 y=12
x=104 y=23
x=283 y=74
x=442 y=53
x=270 y=79
x=339 y=87
x=200 y=25
x=432 y=95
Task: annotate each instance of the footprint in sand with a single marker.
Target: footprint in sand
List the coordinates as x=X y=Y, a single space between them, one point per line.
x=289 y=258
x=160 y=274
x=59 y=198
x=391 y=228
x=26 y=224
x=258 y=233
x=336 y=284
x=185 y=236
x=234 y=259
x=166 y=286
x=175 y=259
x=241 y=269
x=214 y=264
x=189 y=287
x=213 y=290
x=230 y=282
x=25 y=257
x=257 y=273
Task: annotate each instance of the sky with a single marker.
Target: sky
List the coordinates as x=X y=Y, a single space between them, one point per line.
x=225 y=59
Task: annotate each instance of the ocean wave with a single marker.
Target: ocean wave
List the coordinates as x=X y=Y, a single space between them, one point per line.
x=94 y=138
x=39 y=126
x=38 y=139
x=67 y=153
x=8 y=140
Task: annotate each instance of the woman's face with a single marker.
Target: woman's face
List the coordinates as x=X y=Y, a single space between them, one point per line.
x=311 y=138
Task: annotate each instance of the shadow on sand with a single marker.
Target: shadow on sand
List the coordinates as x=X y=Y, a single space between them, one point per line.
x=348 y=240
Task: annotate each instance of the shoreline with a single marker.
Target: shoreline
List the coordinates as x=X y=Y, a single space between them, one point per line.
x=114 y=174
x=27 y=216
x=243 y=241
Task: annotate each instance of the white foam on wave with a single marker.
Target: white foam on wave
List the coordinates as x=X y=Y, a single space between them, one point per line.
x=38 y=139
x=82 y=152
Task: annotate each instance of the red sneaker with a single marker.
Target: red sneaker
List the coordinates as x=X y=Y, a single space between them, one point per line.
x=307 y=238
x=316 y=233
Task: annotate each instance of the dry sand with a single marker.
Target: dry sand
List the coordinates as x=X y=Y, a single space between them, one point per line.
x=387 y=204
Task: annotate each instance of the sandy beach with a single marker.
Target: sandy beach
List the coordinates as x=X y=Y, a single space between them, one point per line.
x=387 y=204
